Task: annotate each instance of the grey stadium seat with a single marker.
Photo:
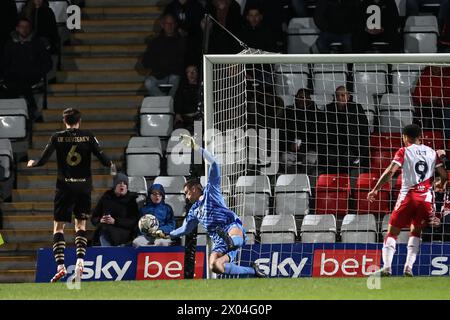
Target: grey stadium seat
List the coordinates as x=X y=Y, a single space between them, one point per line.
x=396 y=111
x=14 y=114
x=143 y=156
x=370 y=78
x=421 y=34
x=320 y=228
x=278 y=229
x=359 y=228
x=404 y=77
x=403 y=237
x=252 y=195
x=292 y=192
x=6 y=158
x=174 y=193
x=178 y=155
x=290 y=78
x=156 y=116
x=139 y=186
x=250 y=228
x=302 y=35
x=368 y=104
x=327 y=77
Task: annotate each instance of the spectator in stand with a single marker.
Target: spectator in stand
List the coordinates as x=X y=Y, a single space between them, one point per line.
x=299 y=8
x=334 y=19
x=444 y=27
x=26 y=61
x=116 y=215
x=255 y=34
x=163 y=212
x=43 y=21
x=165 y=58
x=364 y=37
x=347 y=137
x=303 y=136
x=187 y=100
x=8 y=21
x=431 y=98
x=228 y=14
x=189 y=14
x=276 y=17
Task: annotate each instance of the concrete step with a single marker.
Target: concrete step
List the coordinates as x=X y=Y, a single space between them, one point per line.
x=28 y=208
x=122 y=12
x=92 y=76
x=17 y=263
x=123 y=50
x=106 y=140
x=128 y=114
x=120 y=25
x=38 y=235
x=99 y=63
x=17 y=276
x=39 y=182
x=134 y=3
x=135 y=37
x=116 y=154
x=94 y=89
x=95 y=102
x=22 y=248
x=96 y=127
x=18 y=222
x=50 y=168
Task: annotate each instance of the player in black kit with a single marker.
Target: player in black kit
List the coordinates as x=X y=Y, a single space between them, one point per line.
x=73 y=185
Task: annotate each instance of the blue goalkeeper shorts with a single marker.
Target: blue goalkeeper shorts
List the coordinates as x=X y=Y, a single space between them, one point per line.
x=221 y=246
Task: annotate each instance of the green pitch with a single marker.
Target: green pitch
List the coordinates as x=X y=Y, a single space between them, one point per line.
x=238 y=289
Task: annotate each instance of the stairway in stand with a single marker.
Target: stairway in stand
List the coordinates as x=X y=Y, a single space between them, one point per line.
x=100 y=75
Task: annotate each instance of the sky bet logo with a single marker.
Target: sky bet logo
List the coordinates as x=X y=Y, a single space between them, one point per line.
x=345 y=263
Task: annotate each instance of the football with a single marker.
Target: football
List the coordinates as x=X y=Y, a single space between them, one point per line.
x=148 y=224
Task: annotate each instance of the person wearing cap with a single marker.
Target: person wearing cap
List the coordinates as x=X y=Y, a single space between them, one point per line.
x=162 y=211
x=116 y=215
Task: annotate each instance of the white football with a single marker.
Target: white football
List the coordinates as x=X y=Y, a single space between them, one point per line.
x=148 y=224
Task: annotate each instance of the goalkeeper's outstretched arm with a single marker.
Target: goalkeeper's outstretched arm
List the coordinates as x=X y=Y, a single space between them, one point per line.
x=186 y=228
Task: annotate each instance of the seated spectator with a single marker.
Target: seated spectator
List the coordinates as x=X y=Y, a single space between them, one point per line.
x=347 y=137
x=189 y=14
x=389 y=32
x=8 y=21
x=116 y=215
x=334 y=19
x=43 y=21
x=25 y=62
x=255 y=34
x=187 y=100
x=162 y=211
x=431 y=98
x=228 y=14
x=303 y=137
x=165 y=58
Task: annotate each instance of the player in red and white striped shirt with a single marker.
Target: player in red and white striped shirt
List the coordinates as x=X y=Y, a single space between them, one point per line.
x=415 y=204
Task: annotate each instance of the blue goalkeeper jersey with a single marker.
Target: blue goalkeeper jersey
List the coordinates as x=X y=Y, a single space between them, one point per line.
x=211 y=211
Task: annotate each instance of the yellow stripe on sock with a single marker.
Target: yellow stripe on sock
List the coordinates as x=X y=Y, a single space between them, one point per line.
x=1 y=240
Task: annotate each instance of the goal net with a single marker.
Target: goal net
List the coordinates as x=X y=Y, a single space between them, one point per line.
x=302 y=139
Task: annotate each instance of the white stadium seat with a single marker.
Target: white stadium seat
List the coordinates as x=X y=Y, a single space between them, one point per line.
x=278 y=229
x=143 y=156
x=319 y=228
x=302 y=34
x=156 y=116
x=360 y=228
x=421 y=34
x=327 y=77
x=370 y=79
x=290 y=78
x=404 y=77
x=252 y=195
x=292 y=192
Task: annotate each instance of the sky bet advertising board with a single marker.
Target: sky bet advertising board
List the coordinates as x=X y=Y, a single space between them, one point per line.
x=276 y=260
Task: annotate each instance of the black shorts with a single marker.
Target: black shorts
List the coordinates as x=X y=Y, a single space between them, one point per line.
x=68 y=202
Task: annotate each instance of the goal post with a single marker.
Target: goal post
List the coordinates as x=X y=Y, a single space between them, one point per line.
x=299 y=178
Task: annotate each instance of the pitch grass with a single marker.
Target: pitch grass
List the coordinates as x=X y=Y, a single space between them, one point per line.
x=237 y=289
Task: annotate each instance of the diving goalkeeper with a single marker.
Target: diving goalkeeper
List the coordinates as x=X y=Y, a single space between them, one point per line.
x=223 y=225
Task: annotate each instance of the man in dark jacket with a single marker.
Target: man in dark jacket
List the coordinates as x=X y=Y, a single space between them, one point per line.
x=347 y=133
x=255 y=34
x=165 y=57
x=8 y=21
x=163 y=212
x=116 y=214
x=25 y=62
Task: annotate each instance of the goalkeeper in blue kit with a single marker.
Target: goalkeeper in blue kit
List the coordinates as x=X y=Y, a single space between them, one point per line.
x=223 y=225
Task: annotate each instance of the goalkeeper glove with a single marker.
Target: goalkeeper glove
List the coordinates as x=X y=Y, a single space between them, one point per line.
x=189 y=141
x=160 y=235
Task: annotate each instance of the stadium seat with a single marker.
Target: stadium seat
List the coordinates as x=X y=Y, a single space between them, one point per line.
x=14 y=115
x=327 y=77
x=370 y=79
x=6 y=158
x=139 y=186
x=291 y=77
x=394 y=121
x=156 y=116
x=332 y=194
x=403 y=237
x=318 y=229
x=178 y=155
x=174 y=193
x=143 y=156
x=20 y=4
x=404 y=78
x=433 y=139
x=278 y=229
x=420 y=34
x=302 y=34
x=364 y=184
x=359 y=229
x=322 y=99
x=250 y=228
x=396 y=102
x=368 y=104
x=401 y=7
x=59 y=8
x=380 y=160
x=252 y=195
x=292 y=192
